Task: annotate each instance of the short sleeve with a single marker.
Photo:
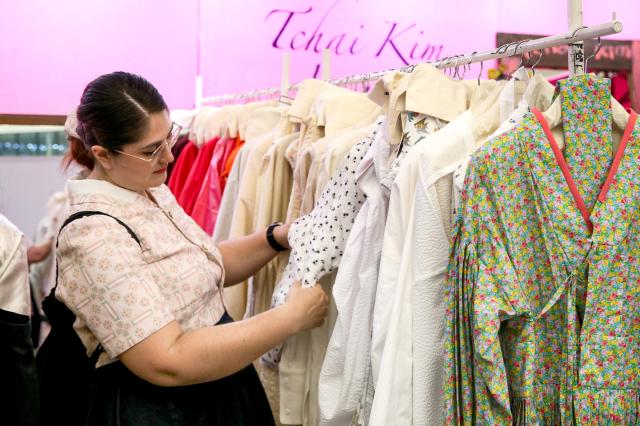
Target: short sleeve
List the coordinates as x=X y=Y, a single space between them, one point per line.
x=105 y=282
x=15 y=294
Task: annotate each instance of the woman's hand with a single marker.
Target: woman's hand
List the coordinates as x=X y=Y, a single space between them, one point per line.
x=281 y=234
x=307 y=307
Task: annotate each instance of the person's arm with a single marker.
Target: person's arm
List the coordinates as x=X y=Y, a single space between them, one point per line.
x=38 y=252
x=243 y=257
x=173 y=357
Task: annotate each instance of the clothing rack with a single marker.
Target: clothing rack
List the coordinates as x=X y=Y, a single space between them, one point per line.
x=512 y=49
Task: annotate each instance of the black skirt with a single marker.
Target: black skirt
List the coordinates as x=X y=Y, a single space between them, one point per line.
x=121 y=398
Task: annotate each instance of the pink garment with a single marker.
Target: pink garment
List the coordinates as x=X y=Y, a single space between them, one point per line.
x=197 y=174
x=205 y=210
x=620 y=89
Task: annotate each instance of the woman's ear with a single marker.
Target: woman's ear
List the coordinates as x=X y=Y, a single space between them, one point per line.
x=103 y=156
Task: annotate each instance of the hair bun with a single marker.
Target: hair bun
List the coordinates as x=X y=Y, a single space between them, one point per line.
x=72 y=126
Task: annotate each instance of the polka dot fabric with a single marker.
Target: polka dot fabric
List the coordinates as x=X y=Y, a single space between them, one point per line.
x=318 y=239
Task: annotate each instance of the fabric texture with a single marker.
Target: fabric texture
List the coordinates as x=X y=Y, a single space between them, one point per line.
x=317 y=240
x=176 y=151
x=540 y=309
x=191 y=189
x=121 y=398
x=225 y=213
x=343 y=374
x=121 y=294
x=19 y=392
x=391 y=327
x=15 y=293
x=205 y=209
x=182 y=168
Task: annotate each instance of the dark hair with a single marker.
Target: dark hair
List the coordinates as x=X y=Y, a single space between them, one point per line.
x=113 y=112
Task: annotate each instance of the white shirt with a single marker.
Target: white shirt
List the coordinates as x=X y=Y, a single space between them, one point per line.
x=392 y=339
x=317 y=240
x=15 y=294
x=343 y=374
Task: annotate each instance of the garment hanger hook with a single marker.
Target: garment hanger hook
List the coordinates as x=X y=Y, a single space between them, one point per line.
x=456 y=68
x=533 y=67
x=504 y=48
x=515 y=52
x=595 y=52
x=576 y=32
x=444 y=64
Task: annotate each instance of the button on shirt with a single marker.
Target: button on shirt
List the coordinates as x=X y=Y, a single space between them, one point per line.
x=122 y=293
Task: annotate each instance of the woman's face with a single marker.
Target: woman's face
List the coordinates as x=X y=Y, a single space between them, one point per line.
x=142 y=165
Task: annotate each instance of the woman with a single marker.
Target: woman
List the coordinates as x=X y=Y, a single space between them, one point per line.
x=171 y=353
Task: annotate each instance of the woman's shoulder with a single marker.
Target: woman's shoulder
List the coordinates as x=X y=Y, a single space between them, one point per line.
x=90 y=229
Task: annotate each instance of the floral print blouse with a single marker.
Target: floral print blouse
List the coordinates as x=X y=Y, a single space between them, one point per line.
x=543 y=317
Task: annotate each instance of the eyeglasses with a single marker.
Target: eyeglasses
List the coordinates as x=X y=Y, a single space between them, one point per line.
x=169 y=142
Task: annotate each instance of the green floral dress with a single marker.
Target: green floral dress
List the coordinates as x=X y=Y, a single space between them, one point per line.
x=543 y=314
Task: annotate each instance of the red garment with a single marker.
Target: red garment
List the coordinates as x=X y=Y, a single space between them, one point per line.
x=182 y=168
x=176 y=151
x=205 y=210
x=196 y=177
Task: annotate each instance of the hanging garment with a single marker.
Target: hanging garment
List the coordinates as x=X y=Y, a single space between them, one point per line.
x=333 y=113
x=429 y=92
x=191 y=189
x=228 y=164
x=541 y=292
x=176 y=151
x=225 y=214
x=346 y=365
x=271 y=206
x=260 y=138
x=620 y=89
x=392 y=339
x=183 y=166
x=337 y=115
x=208 y=123
x=242 y=218
x=344 y=369
x=303 y=355
x=435 y=195
x=317 y=240
x=538 y=94
x=205 y=209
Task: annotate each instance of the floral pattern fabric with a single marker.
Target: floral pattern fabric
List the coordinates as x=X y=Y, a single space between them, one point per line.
x=543 y=316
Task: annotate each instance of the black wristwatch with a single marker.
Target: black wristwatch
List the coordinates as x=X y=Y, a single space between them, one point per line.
x=271 y=239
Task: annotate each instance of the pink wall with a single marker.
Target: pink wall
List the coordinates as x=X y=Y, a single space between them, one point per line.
x=50 y=50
